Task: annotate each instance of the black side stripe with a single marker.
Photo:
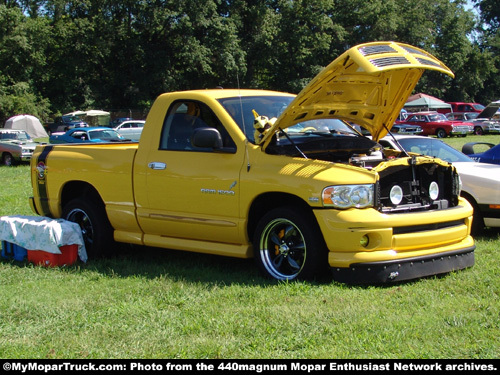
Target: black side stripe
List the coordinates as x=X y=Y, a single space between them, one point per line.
x=42 y=182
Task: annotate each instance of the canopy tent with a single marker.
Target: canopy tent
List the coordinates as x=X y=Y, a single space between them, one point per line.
x=90 y=112
x=425 y=102
x=29 y=123
x=95 y=117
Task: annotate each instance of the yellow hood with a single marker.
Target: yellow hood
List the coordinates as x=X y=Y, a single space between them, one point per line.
x=367 y=85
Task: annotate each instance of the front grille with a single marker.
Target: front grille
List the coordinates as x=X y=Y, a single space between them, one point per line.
x=414 y=181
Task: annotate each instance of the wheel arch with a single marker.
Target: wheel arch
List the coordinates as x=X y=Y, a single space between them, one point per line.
x=80 y=189
x=268 y=201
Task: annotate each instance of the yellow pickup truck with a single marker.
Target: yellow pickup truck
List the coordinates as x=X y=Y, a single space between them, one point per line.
x=286 y=179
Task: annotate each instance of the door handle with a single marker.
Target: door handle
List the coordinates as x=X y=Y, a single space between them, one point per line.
x=157 y=165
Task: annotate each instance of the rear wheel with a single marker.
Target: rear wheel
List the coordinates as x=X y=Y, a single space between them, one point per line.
x=441 y=133
x=288 y=245
x=96 y=230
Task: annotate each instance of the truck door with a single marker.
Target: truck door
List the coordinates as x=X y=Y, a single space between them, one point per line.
x=188 y=193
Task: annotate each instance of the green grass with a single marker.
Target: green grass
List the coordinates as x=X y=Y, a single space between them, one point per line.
x=151 y=303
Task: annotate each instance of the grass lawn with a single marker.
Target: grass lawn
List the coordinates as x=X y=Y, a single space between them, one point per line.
x=151 y=303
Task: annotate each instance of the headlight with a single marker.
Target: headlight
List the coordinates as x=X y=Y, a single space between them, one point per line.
x=347 y=196
x=434 y=190
x=396 y=195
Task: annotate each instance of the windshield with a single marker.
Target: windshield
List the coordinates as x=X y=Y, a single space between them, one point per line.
x=323 y=126
x=437 y=117
x=240 y=109
x=104 y=135
x=433 y=147
x=71 y=119
x=21 y=136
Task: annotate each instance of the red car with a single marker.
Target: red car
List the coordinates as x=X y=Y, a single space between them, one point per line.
x=434 y=123
x=462 y=107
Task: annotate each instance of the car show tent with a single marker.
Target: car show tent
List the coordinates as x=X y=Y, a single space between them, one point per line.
x=424 y=102
x=30 y=124
x=94 y=117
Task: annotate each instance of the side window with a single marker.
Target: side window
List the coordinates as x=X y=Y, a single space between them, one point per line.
x=182 y=119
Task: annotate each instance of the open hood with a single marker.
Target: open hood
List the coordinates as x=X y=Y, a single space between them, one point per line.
x=490 y=110
x=367 y=85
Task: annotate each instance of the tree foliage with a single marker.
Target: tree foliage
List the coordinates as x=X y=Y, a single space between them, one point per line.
x=57 y=56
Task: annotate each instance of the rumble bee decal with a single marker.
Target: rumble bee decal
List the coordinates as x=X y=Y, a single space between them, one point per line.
x=41 y=170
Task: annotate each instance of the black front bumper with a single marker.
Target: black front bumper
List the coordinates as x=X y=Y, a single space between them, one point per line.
x=405 y=269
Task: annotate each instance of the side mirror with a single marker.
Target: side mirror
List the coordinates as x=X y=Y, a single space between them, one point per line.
x=207 y=138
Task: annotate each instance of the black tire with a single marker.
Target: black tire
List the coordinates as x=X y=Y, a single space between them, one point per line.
x=477 y=227
x=478 y=130
x=441 y=133
x=7 y=160
x=96 y=229
x=288 y=245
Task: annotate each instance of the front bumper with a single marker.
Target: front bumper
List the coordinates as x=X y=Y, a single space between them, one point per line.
x=367 y=237
x=462 y=132
x=407 y=269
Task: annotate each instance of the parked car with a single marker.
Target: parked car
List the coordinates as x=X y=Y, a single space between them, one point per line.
x=65 y=123
x=131 y=129
x=117 y=121
x=462 y=116
x=462 y=107
x=15 y=146
x=481 y=123
x=480 y=182
x=406 y=129
x=87 y=135
x=434 y=123
x=491 y=155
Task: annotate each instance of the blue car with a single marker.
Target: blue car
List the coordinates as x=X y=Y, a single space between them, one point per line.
x=491 y=156
x=87 y=135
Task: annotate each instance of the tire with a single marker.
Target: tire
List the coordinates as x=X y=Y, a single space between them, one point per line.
x=477 y=228
x=478 y=130
x=7 y=160
x=96 y=229
x=440 y=133
x=288 y=245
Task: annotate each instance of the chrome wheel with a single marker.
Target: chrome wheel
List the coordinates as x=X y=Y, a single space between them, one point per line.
x=282 y=249
x=96 y=230
x=80 y=217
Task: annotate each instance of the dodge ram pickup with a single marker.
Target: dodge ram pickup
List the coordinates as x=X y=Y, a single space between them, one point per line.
x=283 y=178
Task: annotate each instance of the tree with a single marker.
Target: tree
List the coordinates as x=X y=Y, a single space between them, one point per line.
x=21 y=61
x=489 y=30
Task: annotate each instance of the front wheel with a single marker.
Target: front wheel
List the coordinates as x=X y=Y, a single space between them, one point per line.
x=288 y=245
x=7 y=159
x=96 y=230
